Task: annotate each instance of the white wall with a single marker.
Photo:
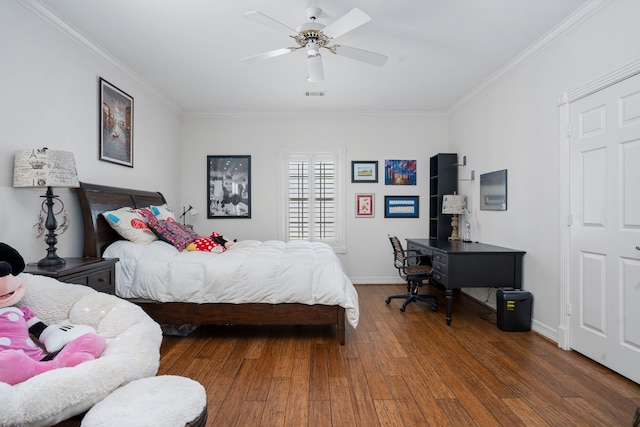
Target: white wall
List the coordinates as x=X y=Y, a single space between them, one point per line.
x=49 y=97
x=514 y=124
x=365 y=136
x=49 y=92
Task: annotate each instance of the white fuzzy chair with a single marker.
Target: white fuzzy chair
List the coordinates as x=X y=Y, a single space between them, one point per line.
x=132 y=352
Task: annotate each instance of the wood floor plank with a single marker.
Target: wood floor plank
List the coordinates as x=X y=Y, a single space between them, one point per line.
x=396 y=369
x=275 y=408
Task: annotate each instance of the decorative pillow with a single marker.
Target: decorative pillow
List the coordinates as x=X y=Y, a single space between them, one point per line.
x=147 y=215
x=163 y=212
x=174 y=233
x=130 y=225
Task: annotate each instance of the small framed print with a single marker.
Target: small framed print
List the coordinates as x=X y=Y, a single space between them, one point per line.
x=364 y=171
x=401 y=206
x=116 y=125
x=364 y=206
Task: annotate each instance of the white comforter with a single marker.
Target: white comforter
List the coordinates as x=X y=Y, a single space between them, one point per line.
x=250 y=272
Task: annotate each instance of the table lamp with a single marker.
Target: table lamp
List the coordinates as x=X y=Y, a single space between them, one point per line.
x=455 y=205
x=42 y=167
x=185 y=211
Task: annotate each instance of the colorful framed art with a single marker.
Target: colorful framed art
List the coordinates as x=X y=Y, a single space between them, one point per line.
x=116 y=125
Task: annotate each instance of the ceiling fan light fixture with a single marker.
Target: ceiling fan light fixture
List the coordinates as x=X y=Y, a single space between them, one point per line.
x=313 y=49
x=316 y=71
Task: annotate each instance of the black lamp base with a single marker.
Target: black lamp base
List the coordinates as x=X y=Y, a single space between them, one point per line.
x=52 y=259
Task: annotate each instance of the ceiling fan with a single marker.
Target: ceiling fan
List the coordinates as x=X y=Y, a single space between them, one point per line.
x=313 y=36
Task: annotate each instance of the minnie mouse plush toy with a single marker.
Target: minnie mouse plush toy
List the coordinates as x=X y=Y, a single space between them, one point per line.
x=55 y=346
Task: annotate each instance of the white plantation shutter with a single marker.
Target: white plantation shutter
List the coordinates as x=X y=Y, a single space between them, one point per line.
x=312 y=198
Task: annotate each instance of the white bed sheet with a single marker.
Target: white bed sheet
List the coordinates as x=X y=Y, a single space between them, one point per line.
x=250 y=272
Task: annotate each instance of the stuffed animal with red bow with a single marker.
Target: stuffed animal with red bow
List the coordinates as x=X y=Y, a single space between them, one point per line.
x=29 y=347
x=215 y=243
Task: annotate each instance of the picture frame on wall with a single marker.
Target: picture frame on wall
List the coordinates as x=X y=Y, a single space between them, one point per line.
x=228 y=186
x=364 y=171
x=365 y=207
x=401 y=206
x=116 y=125
x=400 y=172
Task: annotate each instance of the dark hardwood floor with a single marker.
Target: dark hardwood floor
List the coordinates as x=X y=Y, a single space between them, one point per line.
x=397 y=369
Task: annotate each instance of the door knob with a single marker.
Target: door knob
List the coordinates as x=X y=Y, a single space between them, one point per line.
x=638 y=248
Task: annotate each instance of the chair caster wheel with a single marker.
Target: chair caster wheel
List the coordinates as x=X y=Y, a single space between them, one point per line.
x=388 y=300
x=403 y=308
x=434 y=308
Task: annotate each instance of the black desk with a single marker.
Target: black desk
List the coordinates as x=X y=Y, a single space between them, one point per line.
x=458 y=264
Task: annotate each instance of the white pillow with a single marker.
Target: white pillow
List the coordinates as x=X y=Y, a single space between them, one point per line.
x=163 y=212
x=130 y=224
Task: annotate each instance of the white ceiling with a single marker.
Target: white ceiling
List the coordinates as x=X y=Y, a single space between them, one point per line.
x=189 y=51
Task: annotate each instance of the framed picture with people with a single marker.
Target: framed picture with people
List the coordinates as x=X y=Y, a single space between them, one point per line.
x=229 y=186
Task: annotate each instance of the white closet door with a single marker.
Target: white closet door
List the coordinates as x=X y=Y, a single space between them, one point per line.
x=604 y=288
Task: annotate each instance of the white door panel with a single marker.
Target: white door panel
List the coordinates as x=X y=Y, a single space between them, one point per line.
x=604 y=288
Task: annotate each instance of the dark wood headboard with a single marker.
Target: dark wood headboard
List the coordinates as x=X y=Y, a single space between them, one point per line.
x=95 y=199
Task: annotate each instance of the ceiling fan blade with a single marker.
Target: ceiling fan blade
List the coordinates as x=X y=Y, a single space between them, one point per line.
x=360 y=55
x=353 y=19
x=263 y=19
x=316 y=71
x=267 y=55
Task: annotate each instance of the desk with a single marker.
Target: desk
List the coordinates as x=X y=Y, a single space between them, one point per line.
x=458 y=264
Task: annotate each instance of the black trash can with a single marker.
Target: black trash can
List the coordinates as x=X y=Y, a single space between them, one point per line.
x=514 y=310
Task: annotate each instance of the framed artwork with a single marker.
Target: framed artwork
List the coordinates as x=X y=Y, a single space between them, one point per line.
x=400 y=172
x=364 y=206
x=116 y=125
x=493 y=191
x=401 y=206
x=229 y=186
x=364 y=171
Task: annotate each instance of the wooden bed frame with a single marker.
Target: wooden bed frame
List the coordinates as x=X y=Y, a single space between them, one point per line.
x=98 y=234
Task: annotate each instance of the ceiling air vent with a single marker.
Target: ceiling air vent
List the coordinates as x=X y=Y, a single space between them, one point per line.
x=314 y=93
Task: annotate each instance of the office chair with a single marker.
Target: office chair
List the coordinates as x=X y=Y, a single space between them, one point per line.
x=410 y=269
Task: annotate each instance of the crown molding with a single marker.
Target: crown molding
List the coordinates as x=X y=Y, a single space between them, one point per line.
x=47 y=15
x=569 y=24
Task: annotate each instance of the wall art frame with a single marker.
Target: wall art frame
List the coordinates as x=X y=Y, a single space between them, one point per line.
x=365 y=205
x=116 y=124
x=364 y=171
x=400 y=172
x=493 y=191
x=401 y=206
x=229 y=186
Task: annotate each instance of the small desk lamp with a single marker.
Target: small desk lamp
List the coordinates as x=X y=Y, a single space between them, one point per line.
x=42 y=167
x=454 y=204
x=194 y=213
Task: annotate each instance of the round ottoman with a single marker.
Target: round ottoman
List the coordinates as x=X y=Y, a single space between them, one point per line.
x=166 y=400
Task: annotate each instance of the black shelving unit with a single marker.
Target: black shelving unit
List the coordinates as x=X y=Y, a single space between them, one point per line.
x=443 y=179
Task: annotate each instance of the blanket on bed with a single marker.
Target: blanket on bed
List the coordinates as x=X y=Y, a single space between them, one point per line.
x=250 y=272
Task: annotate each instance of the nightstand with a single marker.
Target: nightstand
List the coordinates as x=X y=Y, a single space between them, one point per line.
x=98 y=273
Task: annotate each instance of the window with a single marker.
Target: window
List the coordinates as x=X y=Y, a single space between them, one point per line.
x=311 y=197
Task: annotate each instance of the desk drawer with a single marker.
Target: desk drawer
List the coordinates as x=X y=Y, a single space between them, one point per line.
x=440 y=257
x=439 y=267
x=439 y=278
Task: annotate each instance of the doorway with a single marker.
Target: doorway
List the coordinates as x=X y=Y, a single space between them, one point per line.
x=604 y=226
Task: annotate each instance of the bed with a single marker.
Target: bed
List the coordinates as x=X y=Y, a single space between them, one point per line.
x=99 y=236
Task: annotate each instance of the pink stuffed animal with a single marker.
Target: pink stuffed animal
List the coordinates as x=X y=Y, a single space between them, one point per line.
x=59 y=346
